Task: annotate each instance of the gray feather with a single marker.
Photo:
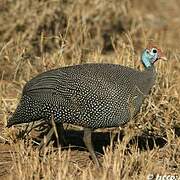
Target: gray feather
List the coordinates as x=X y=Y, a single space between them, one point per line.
x=89 y=95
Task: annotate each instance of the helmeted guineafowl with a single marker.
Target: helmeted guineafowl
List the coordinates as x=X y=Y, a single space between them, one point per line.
x=89 y=95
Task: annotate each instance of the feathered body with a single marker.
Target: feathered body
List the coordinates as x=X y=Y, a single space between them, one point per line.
x=89 y=95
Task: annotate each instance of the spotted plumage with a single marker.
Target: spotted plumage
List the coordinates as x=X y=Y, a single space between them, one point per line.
x=89 y=95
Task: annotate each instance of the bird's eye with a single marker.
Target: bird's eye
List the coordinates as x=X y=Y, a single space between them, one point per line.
x=154 y=51
x=147 y=50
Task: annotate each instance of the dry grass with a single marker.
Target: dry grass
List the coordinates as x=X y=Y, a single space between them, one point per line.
x=41 y=35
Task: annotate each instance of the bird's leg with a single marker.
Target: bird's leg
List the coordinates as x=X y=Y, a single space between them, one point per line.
x=44 y=142
x=48 y=138
x=53 y=130
x=112 y=137
x=59 y=133
x=88 y=142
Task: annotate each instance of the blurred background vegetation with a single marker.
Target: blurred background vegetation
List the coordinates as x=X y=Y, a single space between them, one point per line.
x=71 y=30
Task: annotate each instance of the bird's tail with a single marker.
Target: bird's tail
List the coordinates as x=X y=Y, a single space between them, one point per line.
x=28 y=110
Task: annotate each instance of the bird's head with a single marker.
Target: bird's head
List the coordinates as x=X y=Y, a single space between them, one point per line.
x=150 y=55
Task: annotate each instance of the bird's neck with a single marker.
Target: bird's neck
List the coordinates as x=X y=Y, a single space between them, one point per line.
x=148 y=78
x=147 y=64
x=150 y=70
x=150 y=66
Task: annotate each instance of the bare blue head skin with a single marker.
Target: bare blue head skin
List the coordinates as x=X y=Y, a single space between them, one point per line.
x=150 y=56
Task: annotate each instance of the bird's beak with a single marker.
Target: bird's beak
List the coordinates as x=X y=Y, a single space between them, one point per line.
x=164 y=58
